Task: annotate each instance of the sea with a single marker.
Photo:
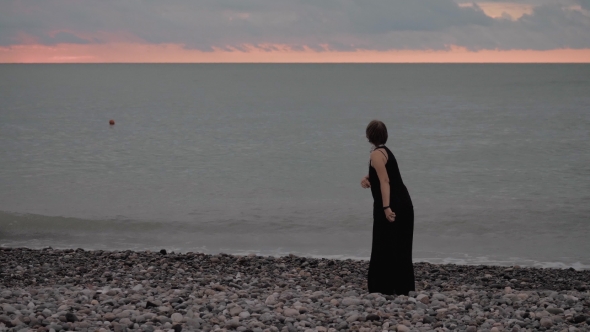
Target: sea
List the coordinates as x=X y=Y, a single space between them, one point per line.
x=268 y=158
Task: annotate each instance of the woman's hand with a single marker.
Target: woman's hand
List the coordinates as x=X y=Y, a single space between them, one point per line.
x=390 y=215
x=365 y=182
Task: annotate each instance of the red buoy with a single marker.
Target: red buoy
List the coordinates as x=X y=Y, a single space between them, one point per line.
x=112 y=122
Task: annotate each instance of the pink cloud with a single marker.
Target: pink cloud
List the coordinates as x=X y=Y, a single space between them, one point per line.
x=500 y=9
x=272 y=53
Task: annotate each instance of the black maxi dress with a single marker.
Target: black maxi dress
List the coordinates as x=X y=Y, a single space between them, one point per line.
x=390 y=269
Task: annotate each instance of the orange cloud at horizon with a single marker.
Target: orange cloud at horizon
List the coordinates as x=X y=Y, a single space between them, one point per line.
x=176 y=53
x=500 y=9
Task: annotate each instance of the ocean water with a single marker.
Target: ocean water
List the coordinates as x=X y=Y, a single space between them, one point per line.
x=268 y=158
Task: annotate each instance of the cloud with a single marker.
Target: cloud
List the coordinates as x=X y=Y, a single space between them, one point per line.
x=64 y=37
x=316 y=24
x=585 y=4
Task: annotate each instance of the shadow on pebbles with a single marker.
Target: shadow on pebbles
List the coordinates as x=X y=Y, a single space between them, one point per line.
x=78 y=290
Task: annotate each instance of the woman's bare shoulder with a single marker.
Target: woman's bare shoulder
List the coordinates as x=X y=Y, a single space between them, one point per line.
x=378 y=154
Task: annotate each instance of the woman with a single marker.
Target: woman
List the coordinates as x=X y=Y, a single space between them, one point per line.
x=390 y=269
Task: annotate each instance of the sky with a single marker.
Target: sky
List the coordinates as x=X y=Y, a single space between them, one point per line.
x=62 y=31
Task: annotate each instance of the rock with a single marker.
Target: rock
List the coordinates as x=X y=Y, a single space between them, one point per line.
x=177 y=328
x=193 y=323
x=127 y=322
x=471 y=329
x=270 y=300
x=109 y=316
x=46 y=312
x=372 y=317
x=265 y=317
x=289 y=312
x=555 y=311
x=70 y=317
x=352 y=318
x=342 y=325
x=5 y=319
x=219 y=288
x=176 y=318
x=8 y=308
x=163 y=251
x=119 y=328
x=546 y=322
x=423 y=298
x=147 y=291
x=402 y=328
x=63 y=307
x=235 y=310
x=350 y=301
x=233 y=323
x=124 y=314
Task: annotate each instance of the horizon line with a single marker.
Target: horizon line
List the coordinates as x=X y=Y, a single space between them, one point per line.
x=177 y=53
x=295 y=63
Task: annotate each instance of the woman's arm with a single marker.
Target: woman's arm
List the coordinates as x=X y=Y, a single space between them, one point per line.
x=378 y=161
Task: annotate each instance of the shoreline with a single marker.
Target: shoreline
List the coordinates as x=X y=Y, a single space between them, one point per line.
x=149 y=291
x=442 y=260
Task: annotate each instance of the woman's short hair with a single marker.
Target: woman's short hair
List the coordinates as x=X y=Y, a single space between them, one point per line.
x=377 y=132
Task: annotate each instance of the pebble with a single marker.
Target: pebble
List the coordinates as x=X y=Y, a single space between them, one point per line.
x=151 y=291
x=290 y=312
x=352 y=318
x=555 y=311
x=402 y=328
x=270 y=300
x=176 y=317
x=546 y=322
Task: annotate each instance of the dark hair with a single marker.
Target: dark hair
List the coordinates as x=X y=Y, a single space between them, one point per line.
x=377 y=132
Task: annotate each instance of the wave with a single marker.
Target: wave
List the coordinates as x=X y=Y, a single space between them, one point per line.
x=274 y=239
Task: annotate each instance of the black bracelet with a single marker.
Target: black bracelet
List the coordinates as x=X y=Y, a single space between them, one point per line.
x=386 y=207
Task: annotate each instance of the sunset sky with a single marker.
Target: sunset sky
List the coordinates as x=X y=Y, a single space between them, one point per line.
x=50 y=31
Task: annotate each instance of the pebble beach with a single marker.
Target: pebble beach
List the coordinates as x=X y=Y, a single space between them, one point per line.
x=81 y=290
